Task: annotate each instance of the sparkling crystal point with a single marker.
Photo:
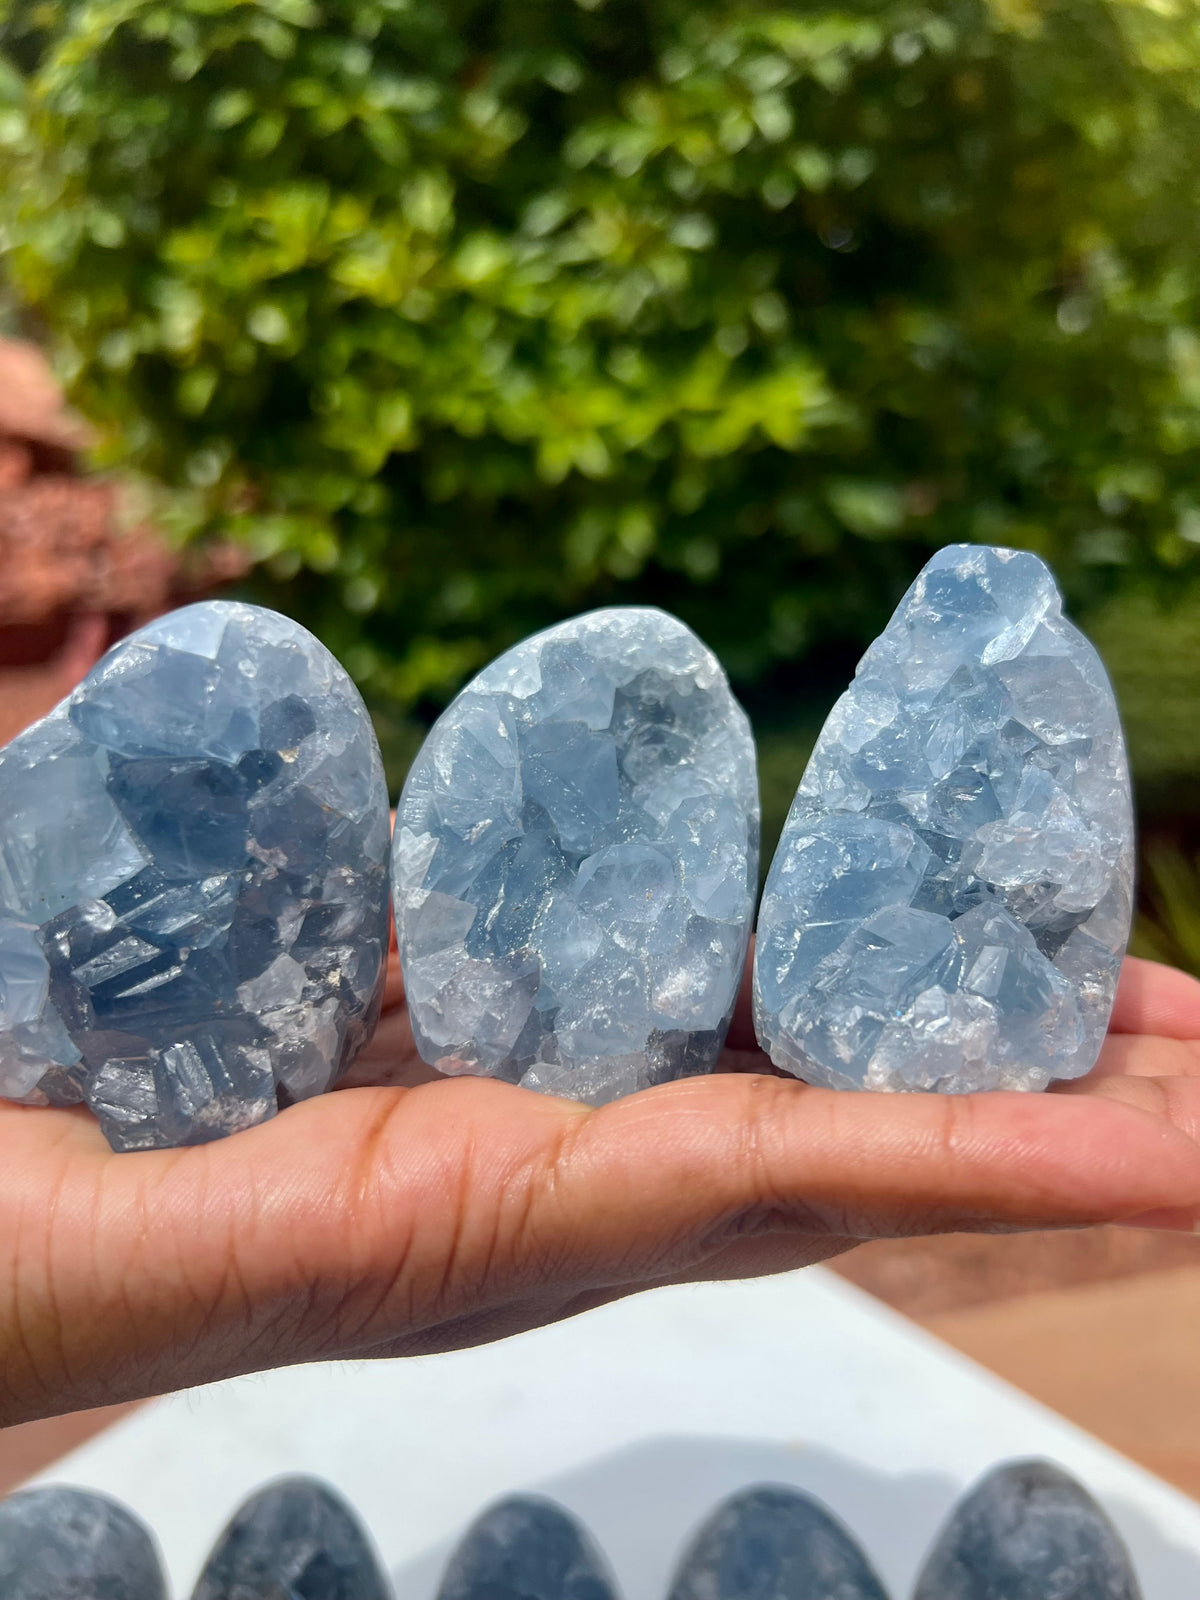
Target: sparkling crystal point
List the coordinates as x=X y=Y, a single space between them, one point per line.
x=70 y=1544
x=772 y=1542
x=526 y=1548
x=574 y=861
x=1028 y=1532
x=294 y=1538
x=951 y=896
x=193 y=881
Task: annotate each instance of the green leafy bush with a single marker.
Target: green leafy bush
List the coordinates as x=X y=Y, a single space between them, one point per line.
x=464 y=314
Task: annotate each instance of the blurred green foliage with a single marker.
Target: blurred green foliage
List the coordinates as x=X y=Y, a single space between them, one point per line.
x=1168 y=927
x=10 y=319
x=1151 y=646
x=464 y=314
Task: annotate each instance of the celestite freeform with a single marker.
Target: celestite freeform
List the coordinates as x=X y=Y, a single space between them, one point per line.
x=774 y=1543
x=193 y=881
x=950 y=900
x=71 y=1544
x=575 y=858
x=295 y=1539
x=526 y=1548
x=1028 y=1532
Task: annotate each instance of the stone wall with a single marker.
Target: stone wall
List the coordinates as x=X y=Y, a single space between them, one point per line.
x=77 y=570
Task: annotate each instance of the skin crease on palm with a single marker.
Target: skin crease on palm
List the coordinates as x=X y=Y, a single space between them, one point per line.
x=421 y=1214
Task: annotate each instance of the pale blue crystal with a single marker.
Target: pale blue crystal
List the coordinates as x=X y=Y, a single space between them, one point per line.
x=193 y=881
x=951 y=897
x=575 y=859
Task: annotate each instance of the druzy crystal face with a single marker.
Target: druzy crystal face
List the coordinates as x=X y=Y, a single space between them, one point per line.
x=950 y=900
x=193 y=881
x=574 y=861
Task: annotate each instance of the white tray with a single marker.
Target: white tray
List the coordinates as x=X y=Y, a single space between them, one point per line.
x=639 y=1417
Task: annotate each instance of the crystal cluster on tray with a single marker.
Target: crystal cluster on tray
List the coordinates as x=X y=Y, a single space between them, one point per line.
x=1027 y=1531
x=194 y=865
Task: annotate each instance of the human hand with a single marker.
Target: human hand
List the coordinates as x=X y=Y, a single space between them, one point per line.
x=393 y=1220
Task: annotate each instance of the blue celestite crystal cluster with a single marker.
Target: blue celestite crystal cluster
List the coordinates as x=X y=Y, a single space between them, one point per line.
x=58 y=1543
x=193 y=881
x=194 y=865
x=1026 y=1531
x=575 y=860
x=951 y=897
x=296 y=1539
x=772 y=1541
x=527 y=1548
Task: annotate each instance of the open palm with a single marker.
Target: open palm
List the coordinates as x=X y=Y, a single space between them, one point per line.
x=416 y=1215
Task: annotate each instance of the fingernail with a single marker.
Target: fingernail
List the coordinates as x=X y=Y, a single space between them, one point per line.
x=1168 y=1220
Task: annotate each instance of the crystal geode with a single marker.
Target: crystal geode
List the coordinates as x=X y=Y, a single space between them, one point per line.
x=575 y=860
x=1028 y=1532
x=193 y=881
x=70 y=1544
x=951 y=896
x=295 y=1539
x=526 y=1548
x=772 y=1541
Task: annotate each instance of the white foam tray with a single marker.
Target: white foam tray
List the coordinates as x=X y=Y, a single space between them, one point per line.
x=639 y=1417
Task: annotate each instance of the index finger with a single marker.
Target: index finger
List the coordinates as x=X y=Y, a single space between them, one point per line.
x=1156 y=999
